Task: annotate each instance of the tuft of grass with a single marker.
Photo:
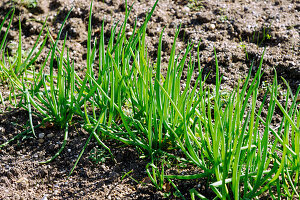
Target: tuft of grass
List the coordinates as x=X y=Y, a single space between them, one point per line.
x=195 y=4
x=229 y=141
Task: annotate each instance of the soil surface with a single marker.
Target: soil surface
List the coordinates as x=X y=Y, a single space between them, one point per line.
x=239 y=31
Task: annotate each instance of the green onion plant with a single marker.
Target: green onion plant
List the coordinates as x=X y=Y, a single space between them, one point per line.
x=124 y=96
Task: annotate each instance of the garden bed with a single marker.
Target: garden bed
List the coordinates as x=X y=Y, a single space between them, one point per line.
x=238 y=32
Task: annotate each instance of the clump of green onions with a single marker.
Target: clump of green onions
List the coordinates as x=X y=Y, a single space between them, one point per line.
x=128 y=99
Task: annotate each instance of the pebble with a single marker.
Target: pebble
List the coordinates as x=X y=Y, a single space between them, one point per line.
x=179 y=14
x=41 y=135
x=104 y=167
x=50 y=135
x=186 y=9
x=17 y=197
x=172 y=25
x=41 y=140
x=212 y=27
x=45 y=197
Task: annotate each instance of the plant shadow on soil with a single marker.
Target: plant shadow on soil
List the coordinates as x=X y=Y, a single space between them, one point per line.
x=23 y=176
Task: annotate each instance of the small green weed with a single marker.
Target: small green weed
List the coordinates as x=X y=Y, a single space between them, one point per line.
x=98 y=155
x=26 y=3
x=259 y=37
x=222 y=17
x=243 y=46
x=195 y=4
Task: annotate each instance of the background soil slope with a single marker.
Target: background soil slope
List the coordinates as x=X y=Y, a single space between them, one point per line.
x=239 y=31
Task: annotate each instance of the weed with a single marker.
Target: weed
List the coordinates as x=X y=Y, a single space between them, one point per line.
x=26 y=3
x=98 y=155
x=258 y=38
x=261 y=37
x=195 y=4
x=222 y=17
x=243 y=46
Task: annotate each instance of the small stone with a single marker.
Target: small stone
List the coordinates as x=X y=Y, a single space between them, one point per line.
x=179 y=14
x=172 y=25
x=4 y=180
x=50 y=135
x=212 y=27
x=103 y=167
x=16 y=197
x=204 y=17
x=22 y=183
x=45 y=197
x=41 y=135
x=69 y=150
x=186 y=9
x=41 y=140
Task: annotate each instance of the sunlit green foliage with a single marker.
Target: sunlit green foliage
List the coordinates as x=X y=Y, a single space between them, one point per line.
x=128 y=99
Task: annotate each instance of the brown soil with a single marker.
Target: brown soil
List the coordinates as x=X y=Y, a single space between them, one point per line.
x=228 y=26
